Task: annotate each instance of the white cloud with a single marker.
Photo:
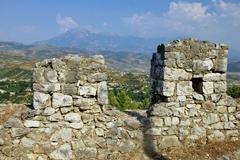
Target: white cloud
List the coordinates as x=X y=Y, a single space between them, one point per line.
x=66 y=23
x=219 y=21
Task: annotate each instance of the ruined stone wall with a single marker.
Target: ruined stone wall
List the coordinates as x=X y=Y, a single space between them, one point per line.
x=188 y=79
x=70 y=118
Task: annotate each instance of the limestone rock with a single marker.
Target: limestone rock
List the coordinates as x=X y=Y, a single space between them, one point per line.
x=13 y=123
x=31 y=124
x=64 y=152
x=48 y=111
x=61 y=100
x=86 y=153
x=184 y=88
x=64 y=134
x=27 y=142
x=46 y=87
x=52 y=76
x=41 y=100
x=202 y=66
x=102 y=93
x=169 y=141
x=207 y=87
x=78 y=125
x=73 y=117
x=87 y=91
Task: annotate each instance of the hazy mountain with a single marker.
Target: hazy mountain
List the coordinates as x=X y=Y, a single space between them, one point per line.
x=84 y=39
x=234 y=66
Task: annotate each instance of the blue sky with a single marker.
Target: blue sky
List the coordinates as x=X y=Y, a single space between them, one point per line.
x=28 y=21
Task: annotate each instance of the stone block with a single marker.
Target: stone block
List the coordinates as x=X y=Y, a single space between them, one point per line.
x=62 y=153
x=173 y=74
x=87 y=91
x=169 y=141
x=41 y=100
x=51 y=76
x=31 y=124
x=220 y=87
x=184 y=88
x=211 y=118
x=38 y=75
x=72 y=117
x=202 y=66
x=214 y=77
x=69 y=89
x=61 y=100
x=46 y=87
x=221 y=64
x=207 y=87
x=102 y=93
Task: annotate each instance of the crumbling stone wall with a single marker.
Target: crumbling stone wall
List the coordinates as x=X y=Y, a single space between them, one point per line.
x=189 y=100
x=70 y=118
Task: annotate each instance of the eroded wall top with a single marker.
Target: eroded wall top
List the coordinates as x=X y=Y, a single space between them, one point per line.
x=188 y=69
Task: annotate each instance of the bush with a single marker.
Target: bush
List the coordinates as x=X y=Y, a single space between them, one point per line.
x=234 y=91
x=121 y=99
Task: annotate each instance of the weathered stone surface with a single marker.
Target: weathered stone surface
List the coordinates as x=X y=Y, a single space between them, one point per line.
x=87 y=91
x=97 y=77
x=48 y=111
x=73 y=117
x=211 y=118
x=86 y=153
x=41 y=100
x=13 y=123
x=52 y=76
x=31 y=124
x=77 y=125
x=184 y=88
x=64 y=152
x=220 y=87
x=176 y=74
x=27 y=142
x=202 y=66
x=207 y=87
x=61 y=100
x=64 y=134
x=221 y=64
x=169 y=141
x=160 y=111
x=214 y=77
x=102 y=93
x=46 y=87
x=55 y=117
x=69 y=89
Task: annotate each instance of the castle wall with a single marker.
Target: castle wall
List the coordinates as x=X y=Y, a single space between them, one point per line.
x=189 y=100
x=71 y=119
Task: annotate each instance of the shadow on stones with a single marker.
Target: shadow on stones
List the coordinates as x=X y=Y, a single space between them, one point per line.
x=148 y=140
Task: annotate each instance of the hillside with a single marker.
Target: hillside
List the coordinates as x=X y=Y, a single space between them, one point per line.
x=234 y=66
x=92 y=41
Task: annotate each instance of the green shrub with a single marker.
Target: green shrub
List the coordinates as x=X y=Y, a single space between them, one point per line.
x=122 y=99
x=234 y=91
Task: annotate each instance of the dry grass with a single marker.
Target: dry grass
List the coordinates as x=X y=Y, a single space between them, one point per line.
x=210 y=151
x=8 y=110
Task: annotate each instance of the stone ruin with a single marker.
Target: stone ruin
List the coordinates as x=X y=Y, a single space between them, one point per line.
x=71 y=119
x=189 y=100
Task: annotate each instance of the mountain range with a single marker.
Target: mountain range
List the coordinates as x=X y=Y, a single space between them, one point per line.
x=125 y=53
x=92 y=41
